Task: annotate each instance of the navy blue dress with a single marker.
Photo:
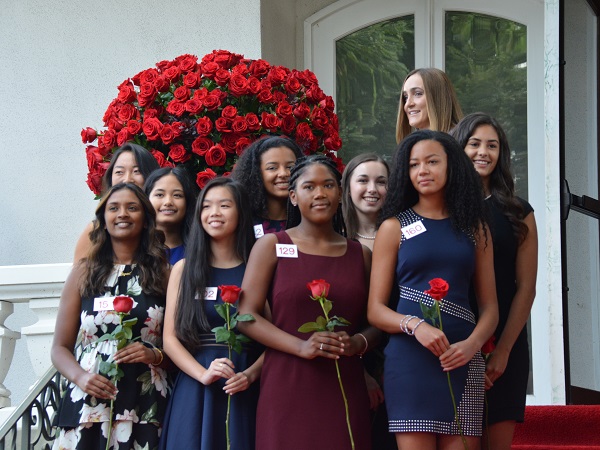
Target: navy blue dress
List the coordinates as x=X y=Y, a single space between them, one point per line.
x=416 y=389
x=195 y=417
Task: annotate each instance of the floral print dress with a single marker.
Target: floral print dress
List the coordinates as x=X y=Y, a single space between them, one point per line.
x=143 y=391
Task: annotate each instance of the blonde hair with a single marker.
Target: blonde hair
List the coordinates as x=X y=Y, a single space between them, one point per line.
x=442 y=104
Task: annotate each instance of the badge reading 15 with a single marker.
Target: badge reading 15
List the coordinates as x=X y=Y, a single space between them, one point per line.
x=286 y=250
x=104 y=304
x=210 y=293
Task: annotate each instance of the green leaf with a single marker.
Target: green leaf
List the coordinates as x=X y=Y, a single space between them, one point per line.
x=243 y=338
x=232 y=323
x=146 y=380
x=104 y=337
x=341 y=320
x=310 y=327
x=130 y=322
x=128 y=333
x=327 y=305
x=237 y=347
x=222 y=335
x=105 y=367
x=322 y=323
x=222 y=310
x=245 y=318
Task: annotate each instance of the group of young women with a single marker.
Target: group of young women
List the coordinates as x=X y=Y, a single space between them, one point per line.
x=445 y=208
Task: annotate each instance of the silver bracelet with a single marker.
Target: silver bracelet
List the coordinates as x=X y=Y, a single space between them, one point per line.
x=404 y=323
x=360 y=354
x=412 y=333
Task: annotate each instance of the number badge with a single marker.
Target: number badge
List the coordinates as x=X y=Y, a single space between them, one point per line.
x=104 y=304
x=286 y=250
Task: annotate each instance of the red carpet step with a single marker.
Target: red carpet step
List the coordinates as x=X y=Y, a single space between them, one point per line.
x=571 y=427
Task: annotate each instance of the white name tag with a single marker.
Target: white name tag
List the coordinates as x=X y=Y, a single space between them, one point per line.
x=286 y=250
x=258 y=231
x=104 y=304
x=210 y=293
x=413 y=229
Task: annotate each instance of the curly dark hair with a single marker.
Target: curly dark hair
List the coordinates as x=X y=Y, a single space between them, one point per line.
x=501 y=181
x=463 y=191
x=247 y=170
x=150 y=257
x=190 y=192
x=293 y=212
x=190 y=316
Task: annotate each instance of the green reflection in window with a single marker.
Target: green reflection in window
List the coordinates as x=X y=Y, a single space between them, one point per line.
x=371 y=64
x=486 y=59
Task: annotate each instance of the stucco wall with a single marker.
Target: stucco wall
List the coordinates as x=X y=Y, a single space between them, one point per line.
x=61 y=64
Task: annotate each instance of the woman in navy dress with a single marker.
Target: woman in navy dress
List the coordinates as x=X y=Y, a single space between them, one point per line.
x=514 y=232
x=434 y=228
x=173 y=197
x=264 y=170
x=219 y=246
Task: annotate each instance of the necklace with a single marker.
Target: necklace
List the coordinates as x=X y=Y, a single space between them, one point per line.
x=366 y=237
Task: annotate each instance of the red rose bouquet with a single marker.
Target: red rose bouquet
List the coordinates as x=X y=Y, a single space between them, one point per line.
x=204 y=114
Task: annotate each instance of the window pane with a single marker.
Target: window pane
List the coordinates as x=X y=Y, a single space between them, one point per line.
x=371 y=64
x=486 y=59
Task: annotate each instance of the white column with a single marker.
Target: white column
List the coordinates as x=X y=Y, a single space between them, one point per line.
x=7 y=350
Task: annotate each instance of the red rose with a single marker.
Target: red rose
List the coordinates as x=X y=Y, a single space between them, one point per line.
x=304 y=134
x=229 y=293
x=253 y=86
x=239 y=124
x=222 y=125
x=160 y=159
x=212 y=102
x=269 y=121
x=204 y=177
x=209 y=69
x=151 y=128
x=178 y=153
x=146 y=76
x=241 y=145
x=327 y=104
x=126 y=92
x=228 y=141
x=238 y=85
x=319 y=119
x=288 y=124
x=191 y=80
x=439 y=289
x=301 y=111
x=161 y=84
x=315 y=94
x=284 y=109
x=110 y=138
x=128 y=112
x=134 y=126
x=252 y=121
x=216 y=156
x=182 y=93
x=240 y=69
x=333 y=142
x=292 y=85
x=123 y=136
x=145 y=100
x=88 y=135
x=222 y=77
x=194 y=106
x=204 y=126
x=259 y=67
x=151 y=112
x=167 y=134
x=489 y=346
x=94 y=180
x=277 y=74
x=229 y=112
x=122 y=304
x=201 y=145
x=265 y=96
x=172 y=73
x=318 y=288
x=186 y=63
x=176 y=108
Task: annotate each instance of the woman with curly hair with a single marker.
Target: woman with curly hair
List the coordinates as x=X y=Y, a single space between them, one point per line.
x=126 y=258
x=264 y=170
x=433 y=227
x=300 y=404
x=427 y=102
x=513 y=229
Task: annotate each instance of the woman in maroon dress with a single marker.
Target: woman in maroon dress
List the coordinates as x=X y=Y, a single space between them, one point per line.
x=301 y=404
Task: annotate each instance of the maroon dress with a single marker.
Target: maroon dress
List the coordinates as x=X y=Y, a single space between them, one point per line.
x=300 y=404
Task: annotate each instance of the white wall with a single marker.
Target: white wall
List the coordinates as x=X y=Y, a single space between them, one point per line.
x=61 y=62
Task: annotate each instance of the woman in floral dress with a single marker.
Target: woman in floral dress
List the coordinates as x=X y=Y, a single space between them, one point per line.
x=127 y=259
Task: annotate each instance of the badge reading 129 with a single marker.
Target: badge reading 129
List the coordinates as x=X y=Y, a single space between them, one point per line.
x=414 y=229
x=286 y=250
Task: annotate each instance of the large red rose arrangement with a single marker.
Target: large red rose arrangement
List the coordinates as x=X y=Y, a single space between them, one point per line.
x=203 y=115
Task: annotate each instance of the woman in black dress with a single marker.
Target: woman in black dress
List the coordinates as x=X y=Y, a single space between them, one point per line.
x=514 y=234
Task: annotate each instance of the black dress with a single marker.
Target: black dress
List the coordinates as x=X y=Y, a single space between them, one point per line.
x=506 y=400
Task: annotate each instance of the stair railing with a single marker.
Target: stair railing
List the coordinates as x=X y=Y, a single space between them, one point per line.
x=29 y=426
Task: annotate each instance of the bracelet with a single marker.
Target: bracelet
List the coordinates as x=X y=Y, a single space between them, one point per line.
x=412 y=333
x=161 y=355
x=360 y=354
x=404 y=323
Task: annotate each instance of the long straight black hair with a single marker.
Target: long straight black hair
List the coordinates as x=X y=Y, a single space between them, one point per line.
x=190 y=315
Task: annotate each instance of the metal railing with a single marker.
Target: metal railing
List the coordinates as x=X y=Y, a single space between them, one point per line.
x=29 y=426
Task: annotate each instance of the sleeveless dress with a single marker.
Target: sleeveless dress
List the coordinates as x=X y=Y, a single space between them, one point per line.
x=175 y=254
x=301 y=405
x=417 y=393
x=139 y=407
x=506 y=399
x=195 y=417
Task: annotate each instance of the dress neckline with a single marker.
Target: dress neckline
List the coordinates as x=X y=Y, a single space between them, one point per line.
x=313 y=254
